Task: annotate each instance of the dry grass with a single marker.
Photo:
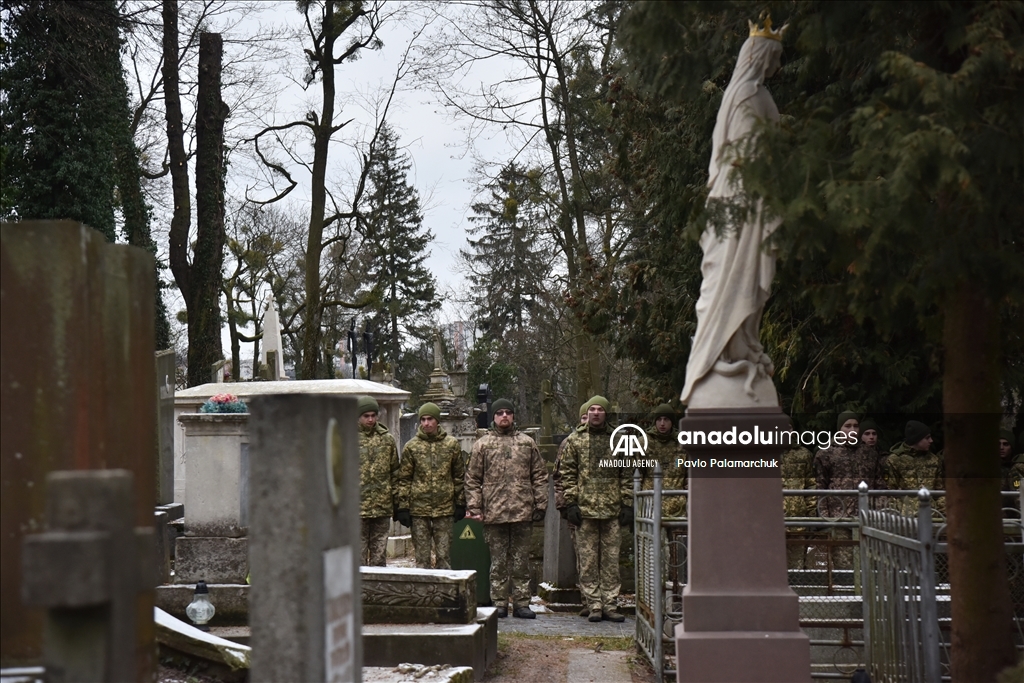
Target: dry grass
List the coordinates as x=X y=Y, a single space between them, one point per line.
x=545 y=659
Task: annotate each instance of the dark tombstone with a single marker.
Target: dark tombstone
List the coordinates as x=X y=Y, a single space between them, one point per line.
x=304 y=539
x=86 y=570
x=165 y=377
x=470 y=551
x=78 y=392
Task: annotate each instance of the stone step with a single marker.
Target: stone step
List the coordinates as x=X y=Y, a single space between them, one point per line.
x=388 y=645
x=417 y=672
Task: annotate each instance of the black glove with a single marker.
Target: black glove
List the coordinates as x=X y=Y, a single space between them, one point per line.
x=539 y=515
x=573 y=515
x=563 y=512
x=403 y=517
x=460 y=512
x=626 y=515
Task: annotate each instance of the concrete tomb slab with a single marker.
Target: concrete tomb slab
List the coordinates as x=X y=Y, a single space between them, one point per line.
x=394 y=595
x=210 y=559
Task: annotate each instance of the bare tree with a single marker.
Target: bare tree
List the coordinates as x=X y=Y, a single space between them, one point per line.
x=541 y=105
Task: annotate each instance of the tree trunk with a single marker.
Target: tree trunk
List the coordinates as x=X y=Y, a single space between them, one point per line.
x=181 y=218
x=318 y=201
x=204 y=316
x=981 y=637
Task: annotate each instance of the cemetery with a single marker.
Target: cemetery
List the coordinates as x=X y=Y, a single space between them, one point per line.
x=356 y=434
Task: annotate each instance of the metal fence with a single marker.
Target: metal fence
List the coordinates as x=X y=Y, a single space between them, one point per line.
x=874 y=590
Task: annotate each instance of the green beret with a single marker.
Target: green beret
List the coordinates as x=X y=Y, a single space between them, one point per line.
x=915 y=431
x=844 y=416
x=663 y=410
x=1006 y=434
x=430 y=409
x=367 y=404
x=598 y=401
x=868 y=423
x=502 y=404
x=583 y=409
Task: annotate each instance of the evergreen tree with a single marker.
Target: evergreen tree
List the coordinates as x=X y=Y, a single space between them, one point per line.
x=508 y=271
x=405 y=297
x=895 y=171
x=67 y=149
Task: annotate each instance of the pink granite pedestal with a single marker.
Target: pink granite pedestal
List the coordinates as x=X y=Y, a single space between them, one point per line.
x=740 y=617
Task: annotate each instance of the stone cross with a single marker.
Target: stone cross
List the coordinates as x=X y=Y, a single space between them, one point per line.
x=87 y=570
x=304 y=536
x=437 y=350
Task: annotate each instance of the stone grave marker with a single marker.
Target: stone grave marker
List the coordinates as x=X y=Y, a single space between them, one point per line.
x=86 y=570
x=77 y=384
x=165 y=377
x=304 y=535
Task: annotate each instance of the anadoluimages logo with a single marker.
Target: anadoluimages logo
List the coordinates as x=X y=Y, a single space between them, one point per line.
x=625 y=443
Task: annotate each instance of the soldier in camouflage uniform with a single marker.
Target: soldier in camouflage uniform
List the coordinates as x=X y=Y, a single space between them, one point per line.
x=797 y=469
x=662 y=443
x=378 y=483
x=431 y=489
x=598 y=500
x=507 y=490
x=844 y=467
x=911 y=465
x=1006 y=461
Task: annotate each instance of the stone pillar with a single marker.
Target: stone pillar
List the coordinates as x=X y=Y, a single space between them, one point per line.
x=740 y=617
x=87 y=570
x=304 y=607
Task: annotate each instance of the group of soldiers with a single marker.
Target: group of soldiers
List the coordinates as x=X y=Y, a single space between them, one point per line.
x=504 y=487
x=908 y=466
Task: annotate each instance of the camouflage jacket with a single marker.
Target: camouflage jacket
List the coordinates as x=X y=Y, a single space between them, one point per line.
x=844 y=468
x=797 y=470
x=556 y=476
x=666 y=449
x=506 y=479
x=378 y=472
x=907 y=469
x=430 y=475
x=599 y=491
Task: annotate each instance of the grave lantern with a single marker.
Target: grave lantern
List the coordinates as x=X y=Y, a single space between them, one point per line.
x=201 y=610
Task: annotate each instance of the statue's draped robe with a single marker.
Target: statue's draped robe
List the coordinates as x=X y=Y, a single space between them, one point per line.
x=737 y=271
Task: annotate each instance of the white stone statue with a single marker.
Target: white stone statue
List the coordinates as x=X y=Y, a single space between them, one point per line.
x=728 y=367
x=272 y=337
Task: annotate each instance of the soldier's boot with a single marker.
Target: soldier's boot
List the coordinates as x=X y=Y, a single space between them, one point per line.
x=502 y=612
x=523 y=613
x=595 y=615
x=585 y=612
x=612 y=614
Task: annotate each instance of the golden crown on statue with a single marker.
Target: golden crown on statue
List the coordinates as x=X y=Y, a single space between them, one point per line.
x=767 y=31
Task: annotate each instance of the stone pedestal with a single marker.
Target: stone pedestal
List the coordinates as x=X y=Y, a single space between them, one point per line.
x=217 y=457
x=394 y=595
x=741 y=618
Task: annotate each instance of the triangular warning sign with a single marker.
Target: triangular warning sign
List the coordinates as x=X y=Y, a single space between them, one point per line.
x=467 y=534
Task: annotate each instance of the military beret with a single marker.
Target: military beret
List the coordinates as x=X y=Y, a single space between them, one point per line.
x=915 y=431
x=844 y=416
x=430 y=409
x=502 y=404
x=367 y=404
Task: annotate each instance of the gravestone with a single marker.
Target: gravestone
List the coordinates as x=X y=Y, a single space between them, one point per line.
x=77 y=385
x=87 y=570
x=165 y=378
x=304 y=538
x=470 y=551
x=396 y=595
